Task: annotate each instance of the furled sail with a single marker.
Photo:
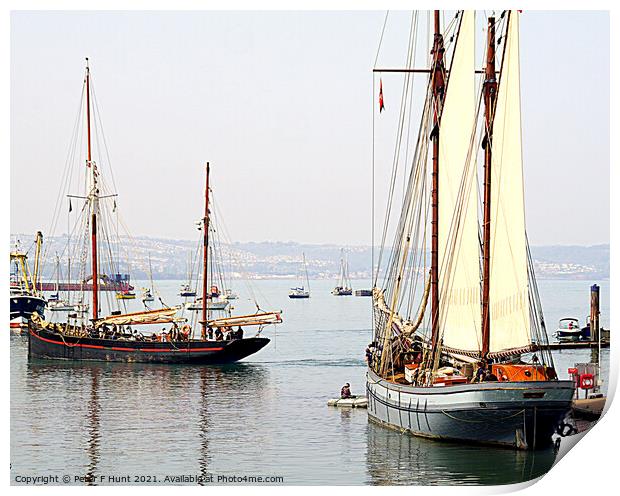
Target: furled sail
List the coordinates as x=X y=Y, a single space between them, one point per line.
x=459 y=246
x=163 y=316
x=263 y=318
x=508 y=300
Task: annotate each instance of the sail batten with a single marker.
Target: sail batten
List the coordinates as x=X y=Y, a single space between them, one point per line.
x=509 y=291
x=459 y=247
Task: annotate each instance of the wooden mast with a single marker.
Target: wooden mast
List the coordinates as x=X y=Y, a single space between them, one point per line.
x=437 y=74
x=490 y=95
x=205 y=250
x=93 y=197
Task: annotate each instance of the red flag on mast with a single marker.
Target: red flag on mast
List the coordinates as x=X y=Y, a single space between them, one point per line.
x=381 y=105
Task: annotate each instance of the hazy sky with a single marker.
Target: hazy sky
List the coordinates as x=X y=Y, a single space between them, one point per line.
x=280 y=104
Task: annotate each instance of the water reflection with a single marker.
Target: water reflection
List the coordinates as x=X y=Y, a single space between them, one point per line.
x=94 y=409
x=402 y=459
x=83 y=410
x=203 y=422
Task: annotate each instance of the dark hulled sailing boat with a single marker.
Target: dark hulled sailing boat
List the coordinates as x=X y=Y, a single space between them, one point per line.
x=460 y=351
x=108 y=338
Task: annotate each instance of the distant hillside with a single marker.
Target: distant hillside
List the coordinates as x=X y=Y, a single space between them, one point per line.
x=576 y=262
x=169 y=259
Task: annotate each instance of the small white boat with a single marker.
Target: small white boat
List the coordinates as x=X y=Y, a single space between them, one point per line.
x=60 y=306
x=230 y=295
x=342 y=291
x=147 y=295
x=186 y=291
x=299 y=293
x=211 y=305
x=352 y=402
x=568 y=330
x=343 y=288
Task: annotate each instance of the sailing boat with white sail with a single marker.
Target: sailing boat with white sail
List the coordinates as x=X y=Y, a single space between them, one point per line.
x=460 y=348
x=301 y=291
x=343 y=288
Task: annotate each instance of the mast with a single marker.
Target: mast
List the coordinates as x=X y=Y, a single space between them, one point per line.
x=151 y=273
x=35 y=277
x=205 y=251
x=93 y=200
x=57 y=274
x=490 y=94
x=437 y=74
x=306 y=270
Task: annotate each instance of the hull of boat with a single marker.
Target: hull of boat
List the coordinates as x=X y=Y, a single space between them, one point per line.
x=522 y=415
x=298 y=297
x=218 y=305
x=77 y=286
x=342 y=292
x=45 y=344
x=568 y=335
x=26 y=305
x=62 y=308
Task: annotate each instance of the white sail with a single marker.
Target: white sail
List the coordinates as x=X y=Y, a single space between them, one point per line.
x=508 y=300
x=459 y=247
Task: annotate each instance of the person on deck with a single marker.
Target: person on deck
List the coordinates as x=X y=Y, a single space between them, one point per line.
x=490 y=377
x=239 y=333
x=345 y=392
x=480 y=372
x=219 y=335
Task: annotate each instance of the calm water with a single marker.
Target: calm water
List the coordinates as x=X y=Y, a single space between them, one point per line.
x=266 y=416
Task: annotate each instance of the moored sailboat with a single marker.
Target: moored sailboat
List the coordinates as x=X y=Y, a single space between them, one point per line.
x=302 y=291
x=460 y=351
x=111 y=338
x=147 y=293
x=58 y=304
x=343 y=288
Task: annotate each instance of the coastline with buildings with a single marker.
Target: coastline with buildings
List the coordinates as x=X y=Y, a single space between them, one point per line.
x=280 y=260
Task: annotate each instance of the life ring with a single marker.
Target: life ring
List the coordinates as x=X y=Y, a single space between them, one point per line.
x=186 y=329
x=586 y=381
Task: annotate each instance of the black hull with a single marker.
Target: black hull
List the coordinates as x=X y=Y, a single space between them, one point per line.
x=26 y=305
x=44 y=344
x=299 y=297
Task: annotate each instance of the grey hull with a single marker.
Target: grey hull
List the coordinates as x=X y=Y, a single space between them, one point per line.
x=522 y=415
